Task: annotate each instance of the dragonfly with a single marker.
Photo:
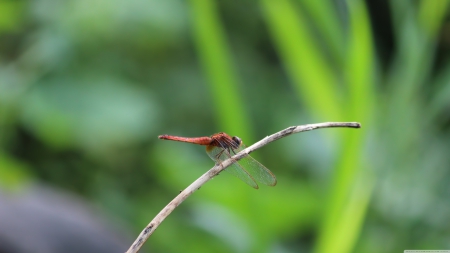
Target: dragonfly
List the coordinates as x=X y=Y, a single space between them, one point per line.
x=221 y=146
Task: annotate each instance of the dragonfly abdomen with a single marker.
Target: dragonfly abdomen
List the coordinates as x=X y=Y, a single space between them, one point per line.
x=195 y=140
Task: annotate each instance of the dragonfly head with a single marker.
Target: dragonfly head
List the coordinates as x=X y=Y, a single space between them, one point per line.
x=236 y=142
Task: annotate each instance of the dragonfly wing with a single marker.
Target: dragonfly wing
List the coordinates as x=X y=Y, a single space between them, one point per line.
x=258 y=171
x=235 y=168
x=243 y=175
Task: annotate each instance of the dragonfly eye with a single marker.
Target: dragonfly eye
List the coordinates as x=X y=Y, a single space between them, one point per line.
x=237 y=141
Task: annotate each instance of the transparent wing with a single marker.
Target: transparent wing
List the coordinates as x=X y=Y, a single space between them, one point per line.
x=235 y=168
x=257 y=170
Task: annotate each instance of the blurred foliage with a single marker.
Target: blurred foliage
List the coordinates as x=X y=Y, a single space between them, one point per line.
x=86 y=86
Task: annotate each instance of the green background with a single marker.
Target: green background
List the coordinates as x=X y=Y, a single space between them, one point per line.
x=86 y=86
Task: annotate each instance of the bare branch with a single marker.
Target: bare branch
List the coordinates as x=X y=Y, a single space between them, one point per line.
x=151 y=227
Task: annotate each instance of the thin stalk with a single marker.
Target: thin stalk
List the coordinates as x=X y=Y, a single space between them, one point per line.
x=151 y=227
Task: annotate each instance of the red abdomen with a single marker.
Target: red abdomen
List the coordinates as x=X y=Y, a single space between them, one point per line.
x=195 y=140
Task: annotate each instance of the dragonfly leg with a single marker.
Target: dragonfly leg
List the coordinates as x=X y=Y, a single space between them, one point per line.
x=218 y=156
x=230 y=150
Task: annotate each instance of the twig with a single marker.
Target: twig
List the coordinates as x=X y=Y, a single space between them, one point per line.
x=151 y=227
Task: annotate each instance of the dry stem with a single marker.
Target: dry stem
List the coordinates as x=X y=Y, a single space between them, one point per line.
x=151 y=227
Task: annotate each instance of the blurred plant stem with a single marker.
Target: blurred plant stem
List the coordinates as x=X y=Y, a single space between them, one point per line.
x=318 y=87
x=311 y=75
x=215 y=58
